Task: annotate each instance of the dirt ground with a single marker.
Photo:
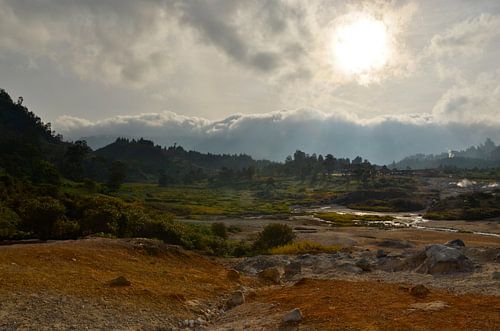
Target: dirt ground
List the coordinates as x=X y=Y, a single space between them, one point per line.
x=346 y=305
x=365 y=237
x=65 y=286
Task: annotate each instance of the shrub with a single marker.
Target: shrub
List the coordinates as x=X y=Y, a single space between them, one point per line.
x=65 y=229
x=219 y=229
x=274 y=235
x=304 y=247
x=242 y=248
x=101 y=214
x=10 y=224
x=40 y=214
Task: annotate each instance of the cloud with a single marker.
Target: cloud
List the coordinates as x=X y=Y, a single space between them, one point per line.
x=115 y=42
x=469 y=37
x=475 y=101
x=277 y=134
x=138 y=44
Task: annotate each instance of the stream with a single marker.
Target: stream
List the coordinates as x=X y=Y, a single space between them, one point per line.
x=401 y=220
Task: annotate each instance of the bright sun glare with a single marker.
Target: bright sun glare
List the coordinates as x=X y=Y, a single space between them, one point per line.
x=361 y=46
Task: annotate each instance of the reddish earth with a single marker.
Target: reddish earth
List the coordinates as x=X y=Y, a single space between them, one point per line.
x=63 y=285
x=344 y=305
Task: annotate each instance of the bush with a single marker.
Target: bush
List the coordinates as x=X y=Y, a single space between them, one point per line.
x=101 y=214
x=10 y=224
x=242 y=248
x=40 y=214
x=219 y=229
x=65 y=229
x=274 y=235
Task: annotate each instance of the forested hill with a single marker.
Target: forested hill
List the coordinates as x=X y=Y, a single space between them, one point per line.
x=486 y=155
x=31 y=150
x=28 y=147
x=146 y=160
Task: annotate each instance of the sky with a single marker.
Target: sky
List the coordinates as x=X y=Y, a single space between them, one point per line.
x=381 y=79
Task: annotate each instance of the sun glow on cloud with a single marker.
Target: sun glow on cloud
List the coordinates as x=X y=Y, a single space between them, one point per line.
x=360 y=46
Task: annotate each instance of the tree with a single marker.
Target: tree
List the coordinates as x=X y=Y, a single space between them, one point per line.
x=163 y=179
x=117 y=174
x=73 y=159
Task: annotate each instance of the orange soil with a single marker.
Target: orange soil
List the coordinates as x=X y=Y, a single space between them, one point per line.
x=168 y=281
x=345 y=305
x=82 y=268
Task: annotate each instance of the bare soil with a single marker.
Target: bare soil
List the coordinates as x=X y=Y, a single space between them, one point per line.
x=65 y=286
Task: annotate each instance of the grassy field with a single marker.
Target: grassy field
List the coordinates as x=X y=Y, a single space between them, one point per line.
x=252 y=198
x=239 y=199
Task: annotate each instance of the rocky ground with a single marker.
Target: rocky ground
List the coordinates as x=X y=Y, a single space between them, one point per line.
x=383 y=283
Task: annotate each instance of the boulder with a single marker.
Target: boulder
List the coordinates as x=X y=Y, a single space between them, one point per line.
x=364 y=264
x=351 y=268
x=235 y=299
x=271 y=274
x=441 y=259
x=292 y=269
x=381 y=253
x=419 y=291
x=253 y=265
x=119 y=281
x=233 y=275
x=495 y=275
x=455 y=243
x=293 y=316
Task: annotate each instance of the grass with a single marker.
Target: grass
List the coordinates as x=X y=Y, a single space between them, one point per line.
x=202 y=199
x=338 y=219
x=304 y=247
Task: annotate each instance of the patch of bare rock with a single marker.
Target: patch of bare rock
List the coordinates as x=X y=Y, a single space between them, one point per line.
x=451 y=265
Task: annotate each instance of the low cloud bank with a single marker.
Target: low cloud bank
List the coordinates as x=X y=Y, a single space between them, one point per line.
x=277 y=134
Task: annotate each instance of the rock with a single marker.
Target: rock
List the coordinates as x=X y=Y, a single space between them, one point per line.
x=455 y=243
x=364 y=264
x=271 y=274
x=292 y=269
x=253 y=265
x=441 y=259
x=293 y=316
x=419 y=291
x=349 y=267
x=381 y=253
x=119 y=281
x=495 y=275
x=233 y=275
x=237 y=298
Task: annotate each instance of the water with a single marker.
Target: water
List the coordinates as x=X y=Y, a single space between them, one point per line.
x=401 y=220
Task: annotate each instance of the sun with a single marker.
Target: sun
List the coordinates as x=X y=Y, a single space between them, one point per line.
x=360 y=46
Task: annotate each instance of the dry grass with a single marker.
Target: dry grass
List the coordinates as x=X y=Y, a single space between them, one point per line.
x=304 y=247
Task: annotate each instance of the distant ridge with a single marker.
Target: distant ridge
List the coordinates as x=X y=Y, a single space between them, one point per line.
x=486 y=155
